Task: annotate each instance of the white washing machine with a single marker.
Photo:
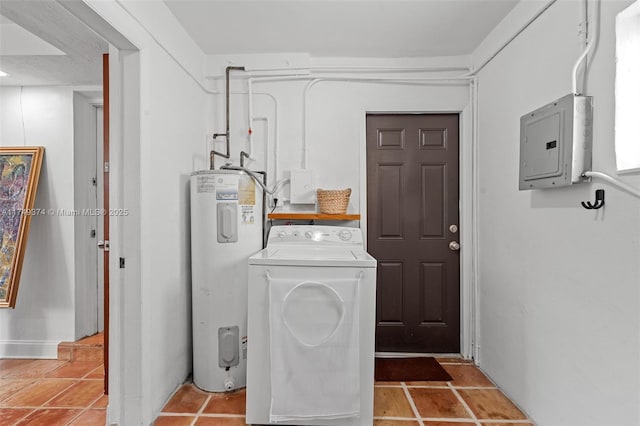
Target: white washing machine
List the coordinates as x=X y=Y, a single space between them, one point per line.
x=311 y=328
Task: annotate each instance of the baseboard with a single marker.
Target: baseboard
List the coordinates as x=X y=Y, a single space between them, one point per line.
x=416 y=355
x=39 y=349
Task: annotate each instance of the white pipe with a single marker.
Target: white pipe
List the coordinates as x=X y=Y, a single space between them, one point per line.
x=271 y=192
x=360 y=80
x=475 y=221
x=305 y=94
x=399 y=80
x=266 y=142
x=590 y=44
x=421 y=81
x=379 y=80
x=360 y=69
x=250 y=130
x=614 y=181
x=383 y=69
x=275 y=126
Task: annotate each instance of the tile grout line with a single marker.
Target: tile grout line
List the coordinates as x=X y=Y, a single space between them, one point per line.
x=441 y=387
x=25 y=416
x=475 y=387
x=411 y=403
x=169 y=399
x=394 y=418
x=37 y=377
x=38 y=381
x=455 y=420
x=464 y=403
x=39 y=407
x=82 y=411
x=415 y=386
x=455 y=363
x=58 y=368
x=201 y=410
x=222 y=416
x=175 y=415
x=10 y=395
x=91 y=371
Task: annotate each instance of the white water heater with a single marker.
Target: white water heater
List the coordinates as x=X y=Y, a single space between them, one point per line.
x=226 y=228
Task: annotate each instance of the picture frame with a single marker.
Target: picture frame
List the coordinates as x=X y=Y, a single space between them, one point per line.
x=19 y=175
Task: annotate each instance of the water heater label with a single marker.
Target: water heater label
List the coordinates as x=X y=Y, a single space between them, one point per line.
x=248 y=215
x=227 y=194
x=206 y=183
x=247 y=190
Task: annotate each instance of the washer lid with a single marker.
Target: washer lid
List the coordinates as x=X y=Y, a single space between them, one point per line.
x=313 y=256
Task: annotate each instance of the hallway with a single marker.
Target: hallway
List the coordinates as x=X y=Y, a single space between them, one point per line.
x=66 y=391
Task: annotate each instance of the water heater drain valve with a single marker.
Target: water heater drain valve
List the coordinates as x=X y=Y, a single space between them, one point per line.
x=229 y=384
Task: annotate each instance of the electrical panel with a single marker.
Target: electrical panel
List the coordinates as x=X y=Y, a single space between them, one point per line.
x=555 y=143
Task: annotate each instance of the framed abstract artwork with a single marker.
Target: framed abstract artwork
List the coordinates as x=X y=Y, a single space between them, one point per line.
x=19 y=173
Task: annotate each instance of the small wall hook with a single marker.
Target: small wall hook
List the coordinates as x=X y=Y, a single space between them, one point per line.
x=599 y=201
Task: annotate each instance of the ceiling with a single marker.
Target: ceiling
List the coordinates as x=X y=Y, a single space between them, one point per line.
x=350 y=28
x=42 y=43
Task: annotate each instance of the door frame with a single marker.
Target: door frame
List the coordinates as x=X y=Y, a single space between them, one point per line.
x=467 y=207
x=126 y=403
x=87 y=303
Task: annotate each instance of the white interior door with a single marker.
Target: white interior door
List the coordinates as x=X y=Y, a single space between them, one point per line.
x=99 y=221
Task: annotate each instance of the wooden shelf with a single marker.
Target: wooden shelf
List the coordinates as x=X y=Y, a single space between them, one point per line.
x=312 y=216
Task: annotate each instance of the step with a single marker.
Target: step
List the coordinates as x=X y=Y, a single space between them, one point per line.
x=89 y=348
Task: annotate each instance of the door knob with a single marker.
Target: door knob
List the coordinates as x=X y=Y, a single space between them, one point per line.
x=454 y=245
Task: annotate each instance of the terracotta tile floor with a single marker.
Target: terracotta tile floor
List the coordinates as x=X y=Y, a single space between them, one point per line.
x=52 y=393
x=470 y=399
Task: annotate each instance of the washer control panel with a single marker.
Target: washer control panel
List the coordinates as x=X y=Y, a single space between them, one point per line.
x=314 y=235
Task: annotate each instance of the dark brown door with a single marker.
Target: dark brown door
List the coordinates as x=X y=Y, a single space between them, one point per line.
x=412 y=193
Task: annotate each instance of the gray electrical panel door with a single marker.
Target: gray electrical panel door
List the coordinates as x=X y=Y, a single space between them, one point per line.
x=542 y=153
x=555 y=143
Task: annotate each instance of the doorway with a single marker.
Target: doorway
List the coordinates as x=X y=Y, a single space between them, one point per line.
x=413 y=230
x=88 y=190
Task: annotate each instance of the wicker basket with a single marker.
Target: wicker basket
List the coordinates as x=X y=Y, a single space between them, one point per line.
x=333 y=201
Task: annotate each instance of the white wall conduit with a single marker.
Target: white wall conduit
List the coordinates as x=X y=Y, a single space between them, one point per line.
x=613 y=181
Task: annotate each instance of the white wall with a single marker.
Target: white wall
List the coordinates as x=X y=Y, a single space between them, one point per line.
x=167 y=149
x=524 y=313
x=153 y=321
x=44 y=313
x=336 y=112
x=559 y=285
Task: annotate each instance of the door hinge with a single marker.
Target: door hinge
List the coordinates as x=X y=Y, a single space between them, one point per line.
x=106 y=167
x=94 y=181
x=92 y=234
x=121 y=262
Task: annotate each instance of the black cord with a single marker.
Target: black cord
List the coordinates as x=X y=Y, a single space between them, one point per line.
x=275 y=204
